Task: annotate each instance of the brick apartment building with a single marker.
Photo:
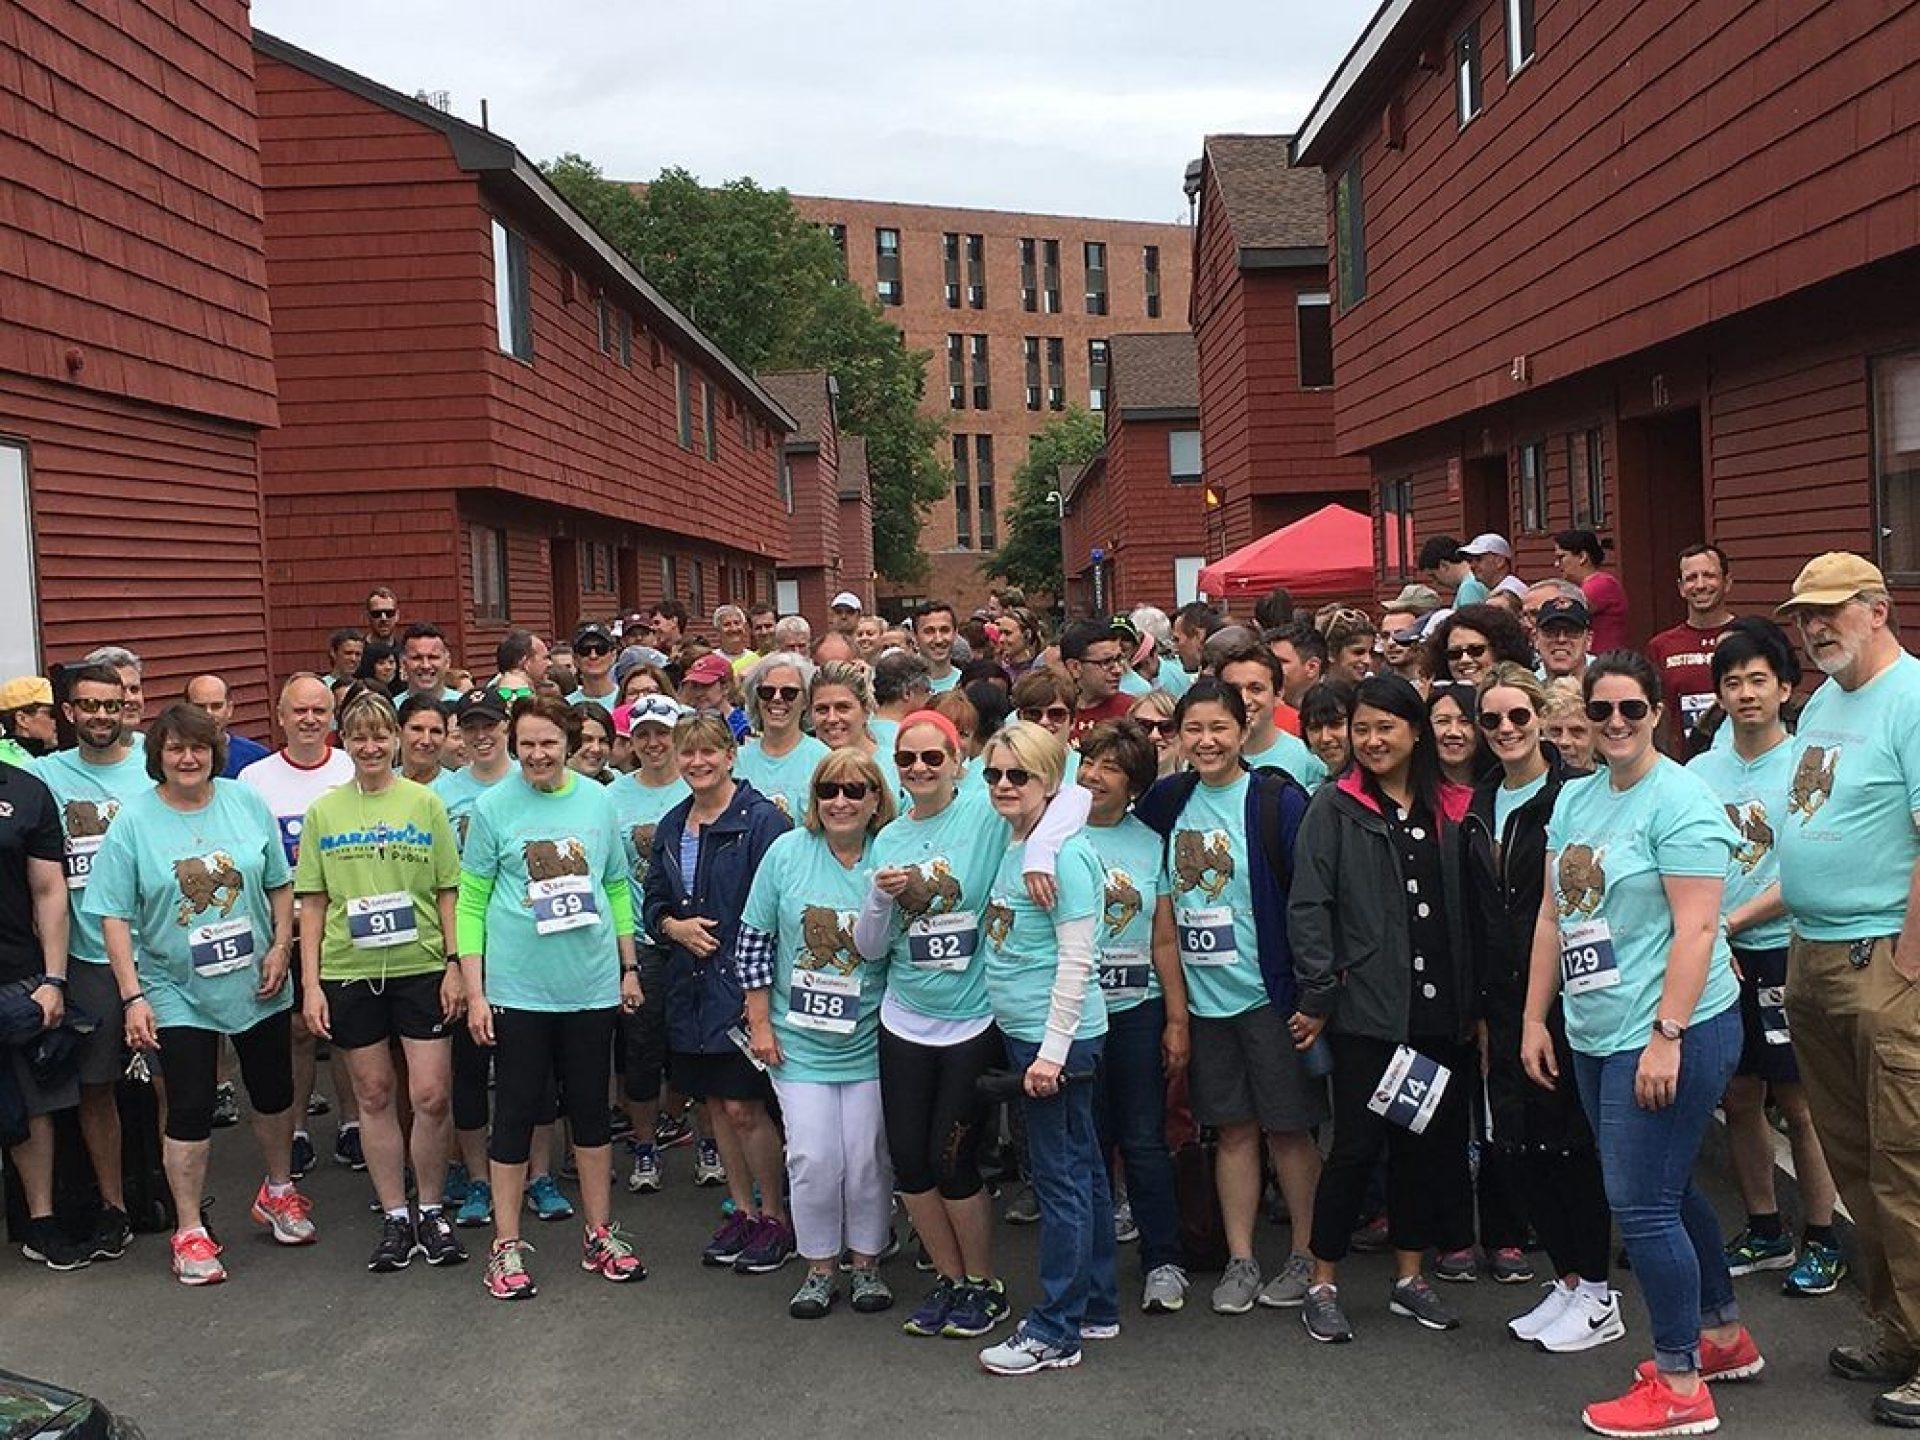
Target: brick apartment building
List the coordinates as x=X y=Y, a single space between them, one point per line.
x=830 y=534
x=1648 y=268
x=1017 y=311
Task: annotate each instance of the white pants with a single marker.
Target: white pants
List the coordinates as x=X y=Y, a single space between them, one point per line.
x=837 y=1165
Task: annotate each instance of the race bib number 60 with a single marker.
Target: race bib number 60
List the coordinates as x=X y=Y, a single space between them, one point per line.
x=1206 y=935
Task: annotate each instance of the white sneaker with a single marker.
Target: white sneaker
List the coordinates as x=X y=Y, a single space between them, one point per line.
x=1165 y=1290
x=1584 y=1324
x=1530 y=1325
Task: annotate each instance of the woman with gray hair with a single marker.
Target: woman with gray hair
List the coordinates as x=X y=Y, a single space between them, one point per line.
x=781 y=761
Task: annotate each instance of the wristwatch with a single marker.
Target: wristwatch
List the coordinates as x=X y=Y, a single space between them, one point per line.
x=1669 y=1029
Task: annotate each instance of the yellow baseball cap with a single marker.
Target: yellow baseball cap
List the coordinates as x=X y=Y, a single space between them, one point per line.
x=1833 y=579
x=25 y=690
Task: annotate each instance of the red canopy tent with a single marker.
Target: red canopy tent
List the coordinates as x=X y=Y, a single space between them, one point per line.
x=1328 y=553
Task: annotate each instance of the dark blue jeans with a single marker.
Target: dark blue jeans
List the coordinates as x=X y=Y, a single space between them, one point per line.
x=1077 y=1281
x=1672 y=1235
x=1130 y=1115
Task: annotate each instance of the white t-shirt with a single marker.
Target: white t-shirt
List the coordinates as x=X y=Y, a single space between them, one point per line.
x=289 y=789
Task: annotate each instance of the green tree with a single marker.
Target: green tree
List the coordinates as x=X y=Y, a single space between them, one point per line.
x=769 y=288
x=1029 y=554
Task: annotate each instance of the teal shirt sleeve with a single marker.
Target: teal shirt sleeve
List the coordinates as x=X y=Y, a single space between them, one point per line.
x=470 y=913
x=113 y=884
x=1698 y=839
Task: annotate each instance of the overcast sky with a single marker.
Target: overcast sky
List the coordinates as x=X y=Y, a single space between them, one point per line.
x=1072 y=106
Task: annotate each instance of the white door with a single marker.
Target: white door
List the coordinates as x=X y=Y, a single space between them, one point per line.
x=1186 y=578
x=19 y=604
x=786 y=596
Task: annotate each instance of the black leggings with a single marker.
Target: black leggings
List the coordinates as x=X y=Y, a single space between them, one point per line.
x=933 y=1111
x=472 y=1067
x=643 y=1032
x=529 y=1048
x=1429 y=1184
x=190 y=1061
x=1567 y=1200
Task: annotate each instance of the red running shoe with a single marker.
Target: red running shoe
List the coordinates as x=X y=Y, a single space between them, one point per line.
x=1652 y=1408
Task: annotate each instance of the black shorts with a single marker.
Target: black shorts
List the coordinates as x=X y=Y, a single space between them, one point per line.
x=728 y=1076
x=372 y=1012
x=1766 y=1050
x=1244 y=1068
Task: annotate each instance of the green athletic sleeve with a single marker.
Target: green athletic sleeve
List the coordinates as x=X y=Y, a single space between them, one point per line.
x=470 y=912
x=620 y=906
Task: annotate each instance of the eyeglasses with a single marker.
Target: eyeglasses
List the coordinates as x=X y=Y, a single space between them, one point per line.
x=1467 y=652
x=854 y=790
x=1105 y=662
x=1601 y=711
x=769 y=693
x=593 y=647
x=1016 y=777
x=98 y=707
x=382 y=614
x=1168 y=728
x=1519 y=718
x=932 y=759
x=1059 y=714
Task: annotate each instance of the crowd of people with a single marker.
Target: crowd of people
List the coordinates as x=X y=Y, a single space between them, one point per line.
x=1445 y=926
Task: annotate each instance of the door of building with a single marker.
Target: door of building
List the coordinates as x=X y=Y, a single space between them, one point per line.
x=1662 y=510
x=19 y=605
x=563 y=560
x=1485 y=504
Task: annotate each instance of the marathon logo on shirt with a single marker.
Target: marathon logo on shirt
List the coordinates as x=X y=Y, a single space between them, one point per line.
x=931 y=889
x=210 y=881
x=409 y=843
x=550 y=859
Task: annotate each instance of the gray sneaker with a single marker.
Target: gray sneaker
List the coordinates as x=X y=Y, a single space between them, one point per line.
x=1165 y=1290
x=1321 y=1313
x=1235 y=1293
x=1289 y=1287
x=1024 y=1208
x=1418 y=1300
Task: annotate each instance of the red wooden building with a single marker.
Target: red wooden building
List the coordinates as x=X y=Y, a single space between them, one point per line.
x=856 y=520
x=1259 y=310
x=482 y=403
x=136 y=367
x=1136 y=513
x=1649 y=268
x=830 y=534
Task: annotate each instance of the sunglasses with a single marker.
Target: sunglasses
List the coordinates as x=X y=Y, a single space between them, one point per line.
x=1059 y=714
x=787 y=693
x=854 y=790
x=1466 y=652
x=1601 y=711
x=905 y=759
x=1168 y=728
x=383 y=614
x=1519 y=718
x=1015 y=777
x=98 y=707
x=593 y=648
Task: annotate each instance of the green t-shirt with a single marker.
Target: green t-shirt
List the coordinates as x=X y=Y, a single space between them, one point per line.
x=89 y=796
x=1607 y=851
x=382 y=861
x=1023 y=954
x=458 y=789
x=1290 y=753
x=785 y=780
x=825 y=999
x=639 y=809
x=936 y=967
x=1135 y=878
x=550 y=857
x=195 y=889
x=1755 y=795
x=1213 y=903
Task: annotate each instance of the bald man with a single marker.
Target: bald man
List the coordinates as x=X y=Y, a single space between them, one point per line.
x=212 y=695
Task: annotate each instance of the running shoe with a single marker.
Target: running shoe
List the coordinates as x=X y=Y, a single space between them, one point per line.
x=437 y=1240
x=347 y=1149
x=974 y=1312
x=870 y=1293
x=196 y=1259
x=546 y=1202
x=645 y=1179
x=1417 y=1300
x=1323 y=1317
x=1585 y=1322
x=396 y=1247
x=506 y=1276
x=1165 y=1290
x=112 y=1233
x=1125 y=1231
x=454 y=1192
x=1900 y=1406
x=288 y=1216
x=477 y=1209
x=607 y=1252
x=728 y=1241
x=570 y=1167
x=226 y=1106
x=708 y=1169
x=1099 y=1329
x=1373 y=1236
x=1747 y=1253
x=814 y=1298
x=1457 y=1267
x=1820 y=1271
x=922 y=1261
x=1721 y=1364
x=670 y=1132
x=1879 y=1362
x=1651 y=1407
x=930 y=1318
x=47 y=1243
x=318 y=1104
x=1528 y=1327
x=1239 y=1287
x=619 y=1123
x=768 y=1248
x=1289 y=1288
x=1023 y=1354
x=302 y=1159
x=1509 y=1266
x=1024 y=1208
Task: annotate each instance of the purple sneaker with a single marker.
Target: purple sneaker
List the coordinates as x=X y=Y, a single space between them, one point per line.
x=769 y=1249
x=728 y=1241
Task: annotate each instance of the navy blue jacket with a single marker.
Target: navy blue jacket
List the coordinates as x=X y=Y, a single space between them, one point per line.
x=704 y=998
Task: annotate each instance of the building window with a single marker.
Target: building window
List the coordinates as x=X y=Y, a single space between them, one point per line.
x=1466 y=72
x=1896 y=460
x=976 y=272
x=1350 y=235
x=837 y=233
x=683 y=403
x=1587 y=479
x=786 y=483
x=669 y=578
x=886 y=262
x=950 y=260
x=616 y=333
x=1313 y=313
x=1183 y=457
x=983 y=488
x=1519 y=35
x=1029 y=276
x=956 y=372
x=1050 y=276
x=962 y=493
x=1096 y=374
x=598 y=567
x=709 y=432
x=512 y=302
x=1150 y=266
x=1533 y=486
x=489 y=572
x=697 y=599
x=982 y=372
x=1030 y=355
x=1096 y=258
x=1396 y=528
x=1056 y=373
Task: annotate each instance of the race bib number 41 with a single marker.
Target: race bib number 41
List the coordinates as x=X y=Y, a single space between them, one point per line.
x=1124 y=970
x=1587 y=961
x=564 y=903
x=944 y=942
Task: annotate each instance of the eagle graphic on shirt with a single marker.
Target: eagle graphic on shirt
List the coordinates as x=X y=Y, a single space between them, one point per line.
x=1756 y=836
x=85 y=819
x=1124 y=902
x=931 y=889
x=997 y=920
x=551 y=859
x=826 y=940
x=1198 y=854
x=206 y=882
x=1812 y=781
x=1582 y=880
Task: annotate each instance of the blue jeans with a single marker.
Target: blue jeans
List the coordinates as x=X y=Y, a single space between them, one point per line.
x=1130 y=1114
x=1077 y=1281
x=1647 y=1156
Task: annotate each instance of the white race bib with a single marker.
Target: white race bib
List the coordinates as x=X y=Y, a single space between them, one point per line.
x=375 y=922
x=944 y=942
x=563 y=903
x=1206 y=935
x=1587 y=961
x=1410 y=1089
x=1124 y=972
x=80 y=852
x=821 y=1001
x=221 y=947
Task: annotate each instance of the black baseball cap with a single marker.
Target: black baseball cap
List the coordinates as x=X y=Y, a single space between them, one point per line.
x=1563 y=610
x=483 y=702
x=594 y=630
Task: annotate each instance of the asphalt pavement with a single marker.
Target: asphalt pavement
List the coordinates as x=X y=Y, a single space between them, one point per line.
x=305 y=1342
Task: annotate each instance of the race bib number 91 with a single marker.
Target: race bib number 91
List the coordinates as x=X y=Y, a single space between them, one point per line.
x=376 y=922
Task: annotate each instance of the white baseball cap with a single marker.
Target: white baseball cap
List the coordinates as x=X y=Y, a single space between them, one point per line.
x=1488 y=544
x=655 y=710
x=846 y=600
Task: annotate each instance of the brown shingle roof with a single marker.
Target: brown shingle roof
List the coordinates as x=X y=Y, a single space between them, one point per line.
x=1154 y=372
x=1269 y=205
x=803 y=395
x=853 y=466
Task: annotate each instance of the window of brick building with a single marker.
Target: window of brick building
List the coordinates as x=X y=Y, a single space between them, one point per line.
x=1050 y=276
x=512 y=300
x=1095 y=255
x=962 y=492
x=1587 y=479
x=1532 y=461
x=956 y=372
x=1150 y=268
x=1030 y=354
x=976 y=272
x=1029 y=275
x=983 y=489
x=981 y=372
x=1313 y=313
x=950 y=264
x=886 y=261
x=1096 y=374
x=1183 y=457
x=1056 y=373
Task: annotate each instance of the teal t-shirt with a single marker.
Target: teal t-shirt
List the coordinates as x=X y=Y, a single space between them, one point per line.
x=1133 y=878
x=195 y=889
x=940 y=684
x=1608 y=850
x=89 y=796
x=936 y=967
x=1849 y=840
x=825 y=999
x=550 y=856
x=885 y=733
x=1506 y=801
x=1213 y=903
x=638 y=809
x=458 y=789
x=605 y=702
x=1290 y=753
x=1132 y=684
x=1022 y=952
x=785 y=780
x=1471 y=592
x=1755 y=796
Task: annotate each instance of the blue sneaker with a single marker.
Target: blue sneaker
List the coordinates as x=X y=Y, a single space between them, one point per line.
x=978 y=1306
x=546 y=1202
x=708 y=1169
x=1820 y=1271
x=930 y=1318
x=1748 y=1253
x=477 y=1209
x=302 y=1155
x=458 y=1179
